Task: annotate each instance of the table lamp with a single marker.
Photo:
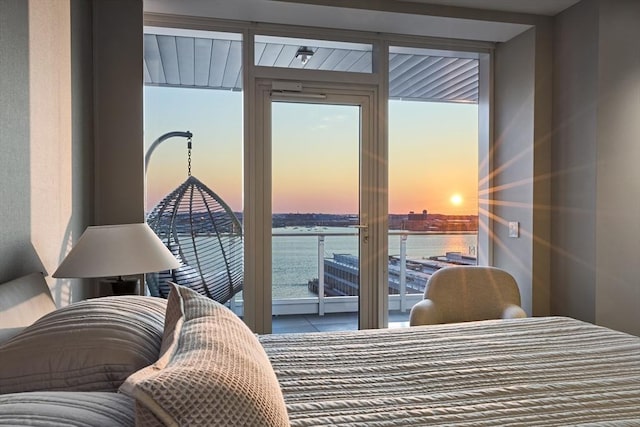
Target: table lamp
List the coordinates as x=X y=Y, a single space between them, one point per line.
x=114 y=251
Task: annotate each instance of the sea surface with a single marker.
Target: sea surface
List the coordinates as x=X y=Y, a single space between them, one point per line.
x=295 y=257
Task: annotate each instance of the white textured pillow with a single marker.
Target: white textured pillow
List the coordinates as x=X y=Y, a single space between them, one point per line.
x=214 y=371
x=91 y=345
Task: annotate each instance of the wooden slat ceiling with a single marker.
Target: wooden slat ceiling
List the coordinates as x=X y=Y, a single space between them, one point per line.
x=216 y=64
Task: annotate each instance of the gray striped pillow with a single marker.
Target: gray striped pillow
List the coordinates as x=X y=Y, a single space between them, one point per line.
x=91 y=345
x=66 y=408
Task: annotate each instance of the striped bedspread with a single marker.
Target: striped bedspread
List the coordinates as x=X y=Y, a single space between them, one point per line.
x=523 y=372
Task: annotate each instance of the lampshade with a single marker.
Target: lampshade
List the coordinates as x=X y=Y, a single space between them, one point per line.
x=116 y=250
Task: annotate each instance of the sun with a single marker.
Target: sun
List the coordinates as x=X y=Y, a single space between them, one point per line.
x=456 y=199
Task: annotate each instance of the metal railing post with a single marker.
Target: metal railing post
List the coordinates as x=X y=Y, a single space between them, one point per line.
x=321 y=275
x=403 y=273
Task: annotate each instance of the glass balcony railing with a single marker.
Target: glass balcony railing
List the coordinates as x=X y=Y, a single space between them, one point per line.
x=315 y=270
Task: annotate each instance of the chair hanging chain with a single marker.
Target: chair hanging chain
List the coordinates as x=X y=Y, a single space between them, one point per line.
x=189 y=156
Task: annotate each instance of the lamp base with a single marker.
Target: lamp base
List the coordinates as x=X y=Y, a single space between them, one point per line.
x=123 y=286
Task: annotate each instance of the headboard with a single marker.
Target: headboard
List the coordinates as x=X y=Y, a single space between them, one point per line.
x=23 y=301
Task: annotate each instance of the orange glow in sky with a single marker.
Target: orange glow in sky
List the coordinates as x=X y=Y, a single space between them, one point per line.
x=315 y=158
x=433 y=154
x=214 y=118
x=433 y=160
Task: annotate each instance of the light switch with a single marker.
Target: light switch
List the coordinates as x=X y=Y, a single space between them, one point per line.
x=514 y=229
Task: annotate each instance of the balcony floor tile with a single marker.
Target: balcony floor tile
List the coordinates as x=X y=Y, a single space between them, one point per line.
x=330 y=322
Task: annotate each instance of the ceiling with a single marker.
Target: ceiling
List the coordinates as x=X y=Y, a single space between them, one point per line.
x=213 y=62
x=189 y=60
x=535 y=7
x=383 y=16
x=312 y=15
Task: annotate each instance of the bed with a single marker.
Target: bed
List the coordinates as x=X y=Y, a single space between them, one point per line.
x=533 y=372
x=212 y=370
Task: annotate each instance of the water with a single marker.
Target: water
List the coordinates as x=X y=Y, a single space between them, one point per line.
x=295 y=258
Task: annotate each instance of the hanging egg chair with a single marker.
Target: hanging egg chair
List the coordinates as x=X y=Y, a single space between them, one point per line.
x=204 y=234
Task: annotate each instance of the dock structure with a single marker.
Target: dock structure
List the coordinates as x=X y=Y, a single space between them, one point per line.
x=342 y=278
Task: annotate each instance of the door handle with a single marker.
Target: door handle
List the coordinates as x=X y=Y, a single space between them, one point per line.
x=365 y=228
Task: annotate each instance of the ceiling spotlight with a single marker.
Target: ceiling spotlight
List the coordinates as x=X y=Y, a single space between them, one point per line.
x=304 y=53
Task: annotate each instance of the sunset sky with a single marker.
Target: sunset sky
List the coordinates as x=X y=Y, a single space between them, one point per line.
x=432 y=150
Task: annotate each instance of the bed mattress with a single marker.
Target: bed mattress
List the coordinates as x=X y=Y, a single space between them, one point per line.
x=534 y=371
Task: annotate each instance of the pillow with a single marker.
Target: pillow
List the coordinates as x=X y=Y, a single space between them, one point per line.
x=66 y=408
x=212 y=371
x=91 y=345
x=23 y=301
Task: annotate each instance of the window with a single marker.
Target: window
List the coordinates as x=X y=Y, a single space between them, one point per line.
x=417 y=172
x=312 y=54
x=193 y=129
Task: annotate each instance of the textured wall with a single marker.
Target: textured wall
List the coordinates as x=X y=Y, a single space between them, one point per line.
x=512 y=179
x=118 y=77
x=41 y=164
x=596 y=188
x=521 y=162
x=575 y=90
x=618 y=175
x=55 y=54
x=50 y=133
x=17 y=256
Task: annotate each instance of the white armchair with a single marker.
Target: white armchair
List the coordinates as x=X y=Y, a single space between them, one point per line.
x=466 y=293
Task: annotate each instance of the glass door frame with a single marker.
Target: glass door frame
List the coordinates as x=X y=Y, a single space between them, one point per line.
x=253 y=216
x=372 y=204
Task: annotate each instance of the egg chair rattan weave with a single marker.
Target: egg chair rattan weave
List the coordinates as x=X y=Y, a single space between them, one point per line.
x=205 y=235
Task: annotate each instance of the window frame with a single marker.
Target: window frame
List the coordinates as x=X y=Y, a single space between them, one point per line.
x=259 y=231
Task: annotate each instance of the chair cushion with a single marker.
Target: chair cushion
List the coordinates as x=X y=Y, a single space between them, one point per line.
x=213 y=371
x=466 y=293
x=91 y=345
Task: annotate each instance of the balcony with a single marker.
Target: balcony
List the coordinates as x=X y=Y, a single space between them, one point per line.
x=321 y=290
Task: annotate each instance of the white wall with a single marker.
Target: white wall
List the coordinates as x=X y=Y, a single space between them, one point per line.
x=573 y=262
x=118 y=114
x=50 y=133
x=17 y=255
x=37 y=213
x=71 y=75
x=541 y=179
x=618 y=174
x=520 y=179
x=596 y=152
x=512 y=186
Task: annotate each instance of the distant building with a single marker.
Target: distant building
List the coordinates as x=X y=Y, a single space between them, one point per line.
x=417 y=217
x=435 y=222
x=342 y=276
x=412 y=221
